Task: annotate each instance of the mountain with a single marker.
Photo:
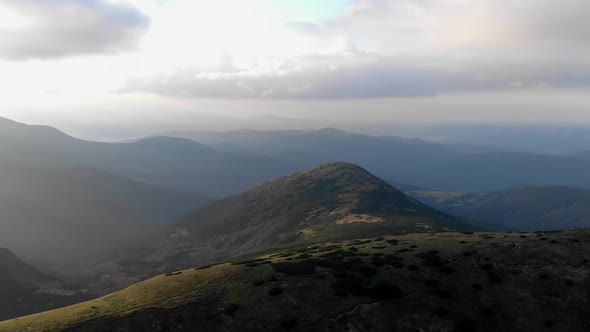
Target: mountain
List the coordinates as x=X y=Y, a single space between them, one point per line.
x=329 y=202
x=427 y=282
x=165 y=161
x=531 y=208
x=68 y=215
x=24 y=290
x=446 y=167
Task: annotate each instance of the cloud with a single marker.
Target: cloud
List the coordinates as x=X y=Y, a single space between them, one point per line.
x=60 y=28
x=310 y=77
x=385 y=48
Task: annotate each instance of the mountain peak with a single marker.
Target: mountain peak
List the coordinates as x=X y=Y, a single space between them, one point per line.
x=329 y=202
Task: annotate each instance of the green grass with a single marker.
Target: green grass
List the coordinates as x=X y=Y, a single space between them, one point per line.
x=235 y=296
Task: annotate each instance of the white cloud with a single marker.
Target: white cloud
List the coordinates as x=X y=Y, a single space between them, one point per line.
x=34 y=29
x=385 y=48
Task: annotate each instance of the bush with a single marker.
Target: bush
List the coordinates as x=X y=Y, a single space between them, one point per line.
x=413 y=267
x=487 y=266
x=303 y=256
x=442 y=312
x=289 y=324
x=294 y=268
x=275 y=291
x=477 y=286
x=231 y=308
x=431 y=258
x=350 y=283
x=486 y=312
x=447 y=270
x=440 y=292
x=381 y=238
x=466 y=325
x=258 y=282
x=384 y=292
x=430 y=283
x=494 y=278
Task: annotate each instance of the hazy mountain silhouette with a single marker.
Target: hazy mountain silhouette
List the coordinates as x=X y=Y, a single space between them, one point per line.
x=531 y=208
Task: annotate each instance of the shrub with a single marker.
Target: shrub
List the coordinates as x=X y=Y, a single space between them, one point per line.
x=384 y=292
x=303 y=256
x=413 y=267
x=272 y=278
x=258 y=282
x=365 y=270
x=414 y=246
x=294 y=268
x=431 y=258
x=328 y=248
x=350 y=283
x=466 y=325
x=430 y=283
x=275 y=291
x=569 y=282
x=487 y=266
x=440 y=292
x=447 y=270
x=553 y=241
x=544 y=276
x=381 y=238
x=442 y=312
x=248 y=261
x=289 y=324
x=377 y=261
x=523 y=236
x=477 y=286
x=398 y=265
x=494 y=278
x=379 y=247
x=231 y=308
x=486 y=312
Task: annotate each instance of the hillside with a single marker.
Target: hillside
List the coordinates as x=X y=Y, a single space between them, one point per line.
x=68 y=215
x=431 y=282
x=531 y=208
x=328 y=202
x=24 y=290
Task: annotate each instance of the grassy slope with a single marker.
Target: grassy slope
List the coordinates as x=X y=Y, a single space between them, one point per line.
x=379 y=284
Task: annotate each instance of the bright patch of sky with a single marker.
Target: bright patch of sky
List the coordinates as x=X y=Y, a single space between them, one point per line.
x=309 y=10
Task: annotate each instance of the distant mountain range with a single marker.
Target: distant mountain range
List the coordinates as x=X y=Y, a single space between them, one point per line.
x=531 y=208
x=447 y=167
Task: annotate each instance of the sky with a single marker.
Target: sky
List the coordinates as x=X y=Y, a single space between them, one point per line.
x=106 y=69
